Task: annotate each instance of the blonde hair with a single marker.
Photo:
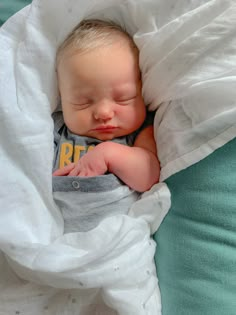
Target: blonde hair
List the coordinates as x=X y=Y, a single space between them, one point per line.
x=93 y=33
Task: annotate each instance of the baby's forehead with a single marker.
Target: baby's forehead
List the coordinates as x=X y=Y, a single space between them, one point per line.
x=109 y=49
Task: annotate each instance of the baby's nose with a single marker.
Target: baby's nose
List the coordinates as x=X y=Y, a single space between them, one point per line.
x=104 y=111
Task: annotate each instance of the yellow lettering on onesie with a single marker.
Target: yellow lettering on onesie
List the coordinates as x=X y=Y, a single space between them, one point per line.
x=65 y=154
x=77 y=152
x=67 y=151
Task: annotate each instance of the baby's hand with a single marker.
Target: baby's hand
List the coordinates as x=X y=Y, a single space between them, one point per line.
x=91 y=164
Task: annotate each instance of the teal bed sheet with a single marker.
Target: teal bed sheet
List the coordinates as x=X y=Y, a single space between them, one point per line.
x=196 y=243
x=10 y=7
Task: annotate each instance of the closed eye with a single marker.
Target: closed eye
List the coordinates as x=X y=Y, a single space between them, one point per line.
x=126 y=101
x=81 y=105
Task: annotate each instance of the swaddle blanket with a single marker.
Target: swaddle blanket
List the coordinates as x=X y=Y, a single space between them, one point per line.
x=187 y=58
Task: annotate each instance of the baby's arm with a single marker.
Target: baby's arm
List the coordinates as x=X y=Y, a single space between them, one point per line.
x=136 y=166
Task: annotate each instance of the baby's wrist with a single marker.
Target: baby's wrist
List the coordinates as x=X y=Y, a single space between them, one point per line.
x=107 y=150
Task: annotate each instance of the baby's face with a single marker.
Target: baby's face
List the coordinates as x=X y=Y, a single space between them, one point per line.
x=101 y=92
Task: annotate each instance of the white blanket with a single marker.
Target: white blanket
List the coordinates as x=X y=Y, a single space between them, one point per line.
x=188 y=62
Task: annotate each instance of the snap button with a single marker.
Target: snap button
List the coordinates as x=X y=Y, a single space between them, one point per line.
x=75 y=184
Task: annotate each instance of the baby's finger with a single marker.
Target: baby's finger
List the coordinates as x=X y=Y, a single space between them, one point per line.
x=75 y=171
x=64 y=171
x=82 y=173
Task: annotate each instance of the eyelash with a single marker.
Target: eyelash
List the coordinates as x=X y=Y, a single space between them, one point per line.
x=124 y=102
x=80 y=106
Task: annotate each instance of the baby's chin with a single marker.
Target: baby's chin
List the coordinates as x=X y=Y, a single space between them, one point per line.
x=105 y=137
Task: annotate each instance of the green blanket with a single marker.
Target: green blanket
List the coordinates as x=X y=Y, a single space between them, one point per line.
x=10 y=7
x=196 y=243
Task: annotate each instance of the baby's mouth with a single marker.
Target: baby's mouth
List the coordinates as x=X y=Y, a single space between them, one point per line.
x=105 y=128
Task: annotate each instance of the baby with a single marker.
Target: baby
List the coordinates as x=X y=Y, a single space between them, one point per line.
x=105 y=152
x=101 y=97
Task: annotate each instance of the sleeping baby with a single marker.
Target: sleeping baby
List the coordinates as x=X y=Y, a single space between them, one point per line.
x=105 y=152
x=101 y=128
